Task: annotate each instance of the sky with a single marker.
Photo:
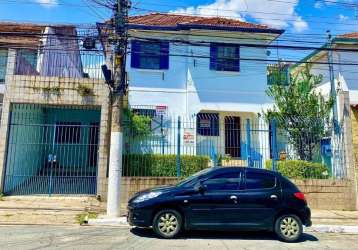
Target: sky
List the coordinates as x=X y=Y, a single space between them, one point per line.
x=302 y=19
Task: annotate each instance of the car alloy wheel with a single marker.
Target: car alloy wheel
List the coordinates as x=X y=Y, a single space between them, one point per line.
x=167 y=223
x=288 y=228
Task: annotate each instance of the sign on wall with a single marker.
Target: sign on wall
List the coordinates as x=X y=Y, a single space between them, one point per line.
x=161 y=110
x=189 y=137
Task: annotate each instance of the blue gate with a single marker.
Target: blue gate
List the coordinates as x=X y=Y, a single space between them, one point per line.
x=51 y=150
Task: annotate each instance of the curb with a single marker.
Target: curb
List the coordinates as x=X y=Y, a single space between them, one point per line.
x=332 y=229
x=121 y=221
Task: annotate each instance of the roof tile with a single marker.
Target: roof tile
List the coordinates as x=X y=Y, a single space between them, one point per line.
x=160 y=19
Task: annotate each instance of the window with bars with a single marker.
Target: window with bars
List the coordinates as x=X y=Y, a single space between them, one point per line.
x=224 y=57
x=208 y=124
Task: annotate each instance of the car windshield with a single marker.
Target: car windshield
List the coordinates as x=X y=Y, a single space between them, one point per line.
x=192 y=177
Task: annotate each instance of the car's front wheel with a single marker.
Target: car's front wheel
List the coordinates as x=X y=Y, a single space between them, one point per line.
x=289 y=228
x=167 y=223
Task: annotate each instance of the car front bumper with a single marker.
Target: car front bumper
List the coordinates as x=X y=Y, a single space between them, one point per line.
x=139 y=217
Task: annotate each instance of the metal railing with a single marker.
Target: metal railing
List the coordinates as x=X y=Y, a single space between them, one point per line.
x=161 y=145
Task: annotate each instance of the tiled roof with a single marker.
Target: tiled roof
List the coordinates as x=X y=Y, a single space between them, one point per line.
x=353 y=35
x=173 y=20
x=26 y=34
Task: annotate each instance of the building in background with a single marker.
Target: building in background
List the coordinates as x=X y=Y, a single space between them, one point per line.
x=55 y=111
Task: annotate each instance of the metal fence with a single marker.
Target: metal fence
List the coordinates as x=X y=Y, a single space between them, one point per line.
x=163 y=145
x=51 y=150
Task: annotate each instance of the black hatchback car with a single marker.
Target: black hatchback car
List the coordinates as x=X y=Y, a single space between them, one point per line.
x=223 y=198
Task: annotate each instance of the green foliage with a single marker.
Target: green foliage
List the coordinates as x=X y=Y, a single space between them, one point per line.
x=278 y=74
x=1 y=197
x=301 y=112
x=83 y=218
x=298 y=169
x=52 y=90
x=162 y=165
x=139 y=125
x=223 y=158
x=84 y=90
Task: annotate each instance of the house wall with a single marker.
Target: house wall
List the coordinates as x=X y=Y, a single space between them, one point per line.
x=30 y=89
x=188 y=86
x=354 y=119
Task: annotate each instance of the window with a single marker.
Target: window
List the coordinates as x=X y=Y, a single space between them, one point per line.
x=278 y=74
x=68 y=132
x=3 y=64
x=26 y=62
x=224 y=181
x=144 y=112
x=150 y=55
x=224 y=57
x=208 y=124
x=260 y=181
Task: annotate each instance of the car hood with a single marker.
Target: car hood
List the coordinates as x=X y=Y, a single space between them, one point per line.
x=163 y=189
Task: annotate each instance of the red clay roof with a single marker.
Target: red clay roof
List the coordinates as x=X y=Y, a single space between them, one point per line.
x=159 y=19
x=353 y=35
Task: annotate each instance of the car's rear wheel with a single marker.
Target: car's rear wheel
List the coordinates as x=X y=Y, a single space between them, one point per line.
x=167 y=223
x=289 y=228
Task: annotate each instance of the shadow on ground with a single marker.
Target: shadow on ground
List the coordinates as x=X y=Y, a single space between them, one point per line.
x=221 y=235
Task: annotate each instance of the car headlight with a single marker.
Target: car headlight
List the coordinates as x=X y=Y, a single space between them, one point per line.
x=148 y=196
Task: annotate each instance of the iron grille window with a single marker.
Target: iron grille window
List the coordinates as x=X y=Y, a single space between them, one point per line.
x=278 y=75
x=224 y=57
x=144 y=112
x=68 y=132
x=3 y=64
x=149 y=55
x=208 y=124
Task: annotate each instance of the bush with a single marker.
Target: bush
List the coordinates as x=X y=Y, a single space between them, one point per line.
x=162 y=165
x=298 y=169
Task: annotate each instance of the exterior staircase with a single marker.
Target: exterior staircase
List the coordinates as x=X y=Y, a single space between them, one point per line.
x=44 y=210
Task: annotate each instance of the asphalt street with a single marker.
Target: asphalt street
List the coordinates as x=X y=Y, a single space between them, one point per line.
x=89 y=237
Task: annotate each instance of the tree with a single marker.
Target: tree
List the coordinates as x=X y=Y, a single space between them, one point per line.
x=301 y=112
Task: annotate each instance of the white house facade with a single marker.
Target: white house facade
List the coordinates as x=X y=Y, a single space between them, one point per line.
x=212 y=70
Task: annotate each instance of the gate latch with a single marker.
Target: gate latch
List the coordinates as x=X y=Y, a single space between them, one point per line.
x=51 y=158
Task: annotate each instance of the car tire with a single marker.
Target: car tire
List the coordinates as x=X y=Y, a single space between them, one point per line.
x=288 y=228
x=167 y=223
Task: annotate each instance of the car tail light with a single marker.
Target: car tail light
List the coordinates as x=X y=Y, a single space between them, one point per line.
x=300 y=196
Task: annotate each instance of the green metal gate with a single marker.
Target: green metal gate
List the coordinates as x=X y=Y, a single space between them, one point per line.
x=51 y=150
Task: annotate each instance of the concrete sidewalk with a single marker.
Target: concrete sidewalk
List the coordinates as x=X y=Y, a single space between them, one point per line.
x=331 y=217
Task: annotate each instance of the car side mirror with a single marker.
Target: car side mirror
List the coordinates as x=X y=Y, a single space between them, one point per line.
x=200 y=188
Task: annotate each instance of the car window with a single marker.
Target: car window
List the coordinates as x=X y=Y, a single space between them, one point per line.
x=223 y=181
x=260 y=180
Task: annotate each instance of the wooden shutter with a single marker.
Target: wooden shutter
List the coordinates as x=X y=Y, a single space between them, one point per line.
x=213 y=56
x=135 y=54
x=164 y=55
x=237 y=56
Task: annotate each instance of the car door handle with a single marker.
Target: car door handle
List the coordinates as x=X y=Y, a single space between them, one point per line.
x=233 y=198
x=273 y=197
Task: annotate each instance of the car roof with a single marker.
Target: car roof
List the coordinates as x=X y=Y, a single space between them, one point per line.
x=256 y=170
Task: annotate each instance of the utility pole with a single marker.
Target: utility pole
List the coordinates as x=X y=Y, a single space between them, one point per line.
x=331 y=79
x=118 y=91
x=336 y=164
